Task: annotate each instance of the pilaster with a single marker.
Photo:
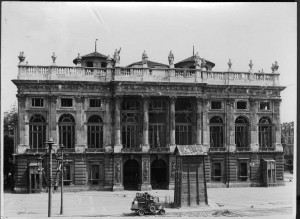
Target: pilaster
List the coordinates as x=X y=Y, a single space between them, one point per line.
x=79 y=125
x=172 y=123
x=205 y=139
x=118 y=144
x=172 y=170
x=146 y=145
x=118 y=174
x=253 y=126
x=108 y=125
x=52 y=117
x=230 y=129
x=146 y=185
x=23 y=141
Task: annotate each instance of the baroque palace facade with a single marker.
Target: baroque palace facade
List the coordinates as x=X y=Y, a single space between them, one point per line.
x=121 y=125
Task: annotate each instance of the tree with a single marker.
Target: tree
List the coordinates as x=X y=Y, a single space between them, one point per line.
x=9 y=123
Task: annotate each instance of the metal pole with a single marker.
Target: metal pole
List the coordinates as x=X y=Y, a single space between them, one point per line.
x=50 y=180
x=62 y=182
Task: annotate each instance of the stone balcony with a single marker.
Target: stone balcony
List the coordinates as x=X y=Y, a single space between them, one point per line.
x=175 y=75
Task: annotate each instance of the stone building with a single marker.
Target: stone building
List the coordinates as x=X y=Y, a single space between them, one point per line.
x=120 y=125
x=287 y=140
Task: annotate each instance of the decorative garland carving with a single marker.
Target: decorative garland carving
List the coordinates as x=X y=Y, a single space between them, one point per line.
x=118 y=170
x=79 y=99
x=146 y=170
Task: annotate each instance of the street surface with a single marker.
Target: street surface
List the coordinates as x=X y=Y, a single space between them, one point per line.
x=250 y=202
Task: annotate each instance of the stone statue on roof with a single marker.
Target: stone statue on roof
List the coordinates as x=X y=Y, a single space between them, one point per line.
x=144 y=57
x=117 y=55
x=197 y=59
x=171 y=58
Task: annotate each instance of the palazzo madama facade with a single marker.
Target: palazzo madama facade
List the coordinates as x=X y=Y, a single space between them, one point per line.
x=120 y=125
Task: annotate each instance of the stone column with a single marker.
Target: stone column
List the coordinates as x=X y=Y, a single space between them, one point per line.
x=198 y=121
x=205 y=139
x=146 y=185
x=79 y=125
x=277 y=128
x=108 y=125
x=118 y=174
x=146 y=145
x=118 y=144
x=23 y=141
x=230 y=125
x=52 y=122
x=253 y=125
x=172 y=170
x=172 y=123
x=167 y=124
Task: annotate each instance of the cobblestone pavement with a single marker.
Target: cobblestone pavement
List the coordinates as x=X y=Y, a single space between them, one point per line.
x=250 y=202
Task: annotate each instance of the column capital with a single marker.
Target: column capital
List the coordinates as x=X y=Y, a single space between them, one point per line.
x=144 y=97
x=108 y=99
x=21 y=97
x=253 y=102
x=117 y=97
x=172 y=98
x=52 y=98
x=79 y=98
x=230 y=101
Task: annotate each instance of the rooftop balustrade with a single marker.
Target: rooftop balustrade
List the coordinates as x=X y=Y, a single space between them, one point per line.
x=175 y=75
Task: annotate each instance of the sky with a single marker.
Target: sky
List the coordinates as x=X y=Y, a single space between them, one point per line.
x=261 y=32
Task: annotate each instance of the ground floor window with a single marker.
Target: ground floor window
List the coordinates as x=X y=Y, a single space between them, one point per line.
x=68 y=173
x=217 y=170
x=94 y=173
x=243 y=167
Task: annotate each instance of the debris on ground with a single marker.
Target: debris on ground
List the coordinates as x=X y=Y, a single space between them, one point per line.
x=222 y=213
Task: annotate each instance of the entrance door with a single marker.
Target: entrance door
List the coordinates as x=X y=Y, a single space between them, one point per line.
x=159 y=174
x=269 y=176
x=131 y=175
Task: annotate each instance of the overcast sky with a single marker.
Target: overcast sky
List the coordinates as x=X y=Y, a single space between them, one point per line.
x=263 y=32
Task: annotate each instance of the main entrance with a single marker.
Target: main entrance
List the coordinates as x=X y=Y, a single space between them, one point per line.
x=159 y=174
x=131 y=175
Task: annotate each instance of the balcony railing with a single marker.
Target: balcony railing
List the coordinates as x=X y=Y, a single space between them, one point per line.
x=94 y=150
x=180 y=75
x=240 y=149
x=69 y=150
x=267 y=149
x=130 y=150
x=217 y=149
x=36 y=150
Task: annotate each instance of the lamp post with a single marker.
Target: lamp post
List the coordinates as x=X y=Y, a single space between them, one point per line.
x=61 y=146
x=50 y=143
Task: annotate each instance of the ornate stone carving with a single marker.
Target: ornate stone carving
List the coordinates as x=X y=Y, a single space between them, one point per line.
x=250 y=65
x=144 y=58
x=53 y=57
x=52 y=98
x=21 y=99
x=173 y=169
x=197 y=59
x=117 y=170
x=117 y=56
x=171 y=58
x=79 y=98
x=146 y=170
x=253 y=102
x=203 y=63
x=108 y=99
x=21 y=57
x=229 y=65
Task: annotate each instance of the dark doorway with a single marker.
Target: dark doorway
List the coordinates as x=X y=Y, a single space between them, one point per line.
x=159 y=174
x=131 y=175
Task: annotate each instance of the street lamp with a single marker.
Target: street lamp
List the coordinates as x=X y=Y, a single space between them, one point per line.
x=60 y=161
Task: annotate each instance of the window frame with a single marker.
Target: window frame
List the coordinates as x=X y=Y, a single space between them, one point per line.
x=91 y=180
x=243 y=161
x=42 y=101
x=97 y=100
x=66 y=98
x=214 y=102
x=242 y=101
x=265 y=102
x=219 y=178
x=69 y=182
x=39 y=134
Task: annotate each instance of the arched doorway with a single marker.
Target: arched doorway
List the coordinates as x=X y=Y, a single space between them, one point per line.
x=131 y=175
x=159 y=174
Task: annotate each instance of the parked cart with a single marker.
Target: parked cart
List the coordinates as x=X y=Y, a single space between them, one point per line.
x=144 y=203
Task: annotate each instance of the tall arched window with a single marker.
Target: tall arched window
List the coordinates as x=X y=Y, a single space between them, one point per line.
x=66 y=129
x=130 y=130
x=241 y=132
x=37 y=132
x=183 y=129
x=265 y=132
x=95 y=132
x=216 y=132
